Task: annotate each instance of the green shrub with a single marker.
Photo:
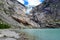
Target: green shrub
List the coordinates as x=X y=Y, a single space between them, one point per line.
x=4 y=25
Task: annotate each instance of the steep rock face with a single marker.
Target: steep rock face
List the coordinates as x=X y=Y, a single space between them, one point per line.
x=47 y=14
x=10 y=10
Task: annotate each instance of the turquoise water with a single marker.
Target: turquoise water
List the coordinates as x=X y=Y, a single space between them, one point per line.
x=44 y=34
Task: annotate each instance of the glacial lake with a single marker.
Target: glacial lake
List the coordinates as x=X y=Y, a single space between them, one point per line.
x=44 y=34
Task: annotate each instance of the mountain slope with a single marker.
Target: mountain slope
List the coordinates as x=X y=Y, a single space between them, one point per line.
x=47 y=14
x=12 y=12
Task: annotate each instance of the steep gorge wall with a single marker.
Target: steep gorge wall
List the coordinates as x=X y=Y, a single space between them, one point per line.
x=9 y=8
x=47 y=14
x=13 y=13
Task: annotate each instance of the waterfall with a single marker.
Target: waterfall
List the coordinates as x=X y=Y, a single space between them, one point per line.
x=29 y=8
x=30 y=4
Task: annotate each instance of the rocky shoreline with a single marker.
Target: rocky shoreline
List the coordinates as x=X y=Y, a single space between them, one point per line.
x=7 y=34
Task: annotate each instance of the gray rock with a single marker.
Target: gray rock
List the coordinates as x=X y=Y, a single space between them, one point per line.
x=9 y=39
x=47 y=12
x=11 y=8
x=8 y=33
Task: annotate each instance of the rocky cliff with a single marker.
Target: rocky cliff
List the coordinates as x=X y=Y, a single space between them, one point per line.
x=12 y=13
x=47 y=14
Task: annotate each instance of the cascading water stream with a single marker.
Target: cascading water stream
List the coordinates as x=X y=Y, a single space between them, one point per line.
x=29 y=8
x=30 y=4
